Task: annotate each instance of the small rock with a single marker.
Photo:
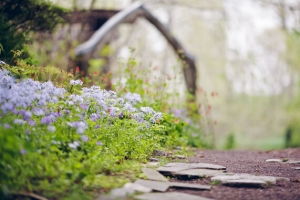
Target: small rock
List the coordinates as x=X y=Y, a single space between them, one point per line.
x=169 y=196
x=160 y=153
x=297 y=168
x=274 y=160
x=178 y=148
x=293 y=161
x=154 y=159
x=179 y=157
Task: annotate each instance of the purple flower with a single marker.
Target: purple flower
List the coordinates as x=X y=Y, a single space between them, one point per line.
x=94 y=116
x=121 y=115
x=99 y=143
x=97 y=126
x=28 y=132
x=113 y=111
x=48 y=119
x=7 y=107
x=31 y=122
x=23 y=151
x=83 y=106
x=129 y=107
x=26 y=114
x=7 y=126
x=84 y=138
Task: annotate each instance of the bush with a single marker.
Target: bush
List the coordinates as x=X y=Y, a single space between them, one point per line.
x=18 y=19
x=66 y=142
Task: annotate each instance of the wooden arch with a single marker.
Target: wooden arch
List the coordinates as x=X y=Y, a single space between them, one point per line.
x=130 y=13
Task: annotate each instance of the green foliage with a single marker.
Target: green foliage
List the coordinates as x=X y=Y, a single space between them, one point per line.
x=23 y=70
x=230 y=141
x=292 y=134
x=35 y=159
x=18 y=18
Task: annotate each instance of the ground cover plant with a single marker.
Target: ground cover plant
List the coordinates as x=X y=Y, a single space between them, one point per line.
x=66 y=141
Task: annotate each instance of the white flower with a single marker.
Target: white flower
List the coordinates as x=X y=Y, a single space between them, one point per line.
x=74 y=145
x=76 y=82
x=19 y=121
x=51 y=128
x=147 y=110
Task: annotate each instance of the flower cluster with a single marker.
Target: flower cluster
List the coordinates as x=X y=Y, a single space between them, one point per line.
x=76 y=82
x=32 y=103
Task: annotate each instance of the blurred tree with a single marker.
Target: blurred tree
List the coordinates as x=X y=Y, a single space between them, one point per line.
x=18 y=18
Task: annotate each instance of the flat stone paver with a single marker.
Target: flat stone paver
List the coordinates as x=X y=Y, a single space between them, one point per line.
x=171 y=169
x=137 y=187
x=169 y=196
x=224 y=178
x=188 y=185
x=119 y=192
x=161 y=186
x=246 y=183
x=200 y=172
x=196 y=166
x=247 y=179
x=152 y=174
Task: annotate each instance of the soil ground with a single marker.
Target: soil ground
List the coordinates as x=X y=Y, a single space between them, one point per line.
x=251 y=162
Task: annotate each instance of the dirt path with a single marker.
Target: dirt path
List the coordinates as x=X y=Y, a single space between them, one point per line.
x=250 y=162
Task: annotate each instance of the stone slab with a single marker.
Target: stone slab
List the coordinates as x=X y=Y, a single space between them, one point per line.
x=171 y=169
x=121 y=192
x=200 y=172
x=169 y=196
x=155 y=164
x=161 y=186
x=137 y=187
x=246 y=183
x=152 y=174
x=224 y=178
x=196 y=166
x=190 y=186
x=247 y=179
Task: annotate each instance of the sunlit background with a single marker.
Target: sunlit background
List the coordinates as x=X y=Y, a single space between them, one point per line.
x=247 y=54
